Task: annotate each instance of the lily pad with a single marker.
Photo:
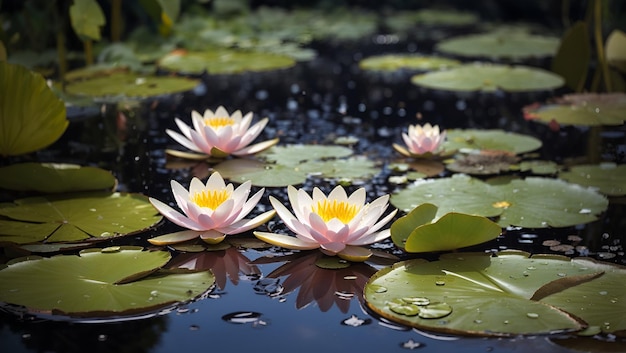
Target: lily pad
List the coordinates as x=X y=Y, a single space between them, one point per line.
x=539 y=167
x=55 y=178
x=394 y=62
x=489 y=78
x=407 y=20
x=489 y=295
x=76 y=217
x=77 y=286
x=490 y=140
x=483 y=163
x=509 y=45
x=124 y=85
x=223 y=61
x=585 y=109
x=608 y=178
x=533 y=202
x=31 y=115
x=418 y=232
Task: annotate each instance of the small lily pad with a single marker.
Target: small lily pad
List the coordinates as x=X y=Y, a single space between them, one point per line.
x=514 y=203
x=76 y=286
x=76 y=217
x=489 y=78
x=490 y=140
x=394 y=62
x=539 y=167
x=223 y=61
x=608 y=178
x=55 y=178
x=584 y=109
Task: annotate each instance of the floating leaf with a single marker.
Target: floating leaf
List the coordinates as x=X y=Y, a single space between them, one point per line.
x=492 y=140
x=78 y=286
x=488 y=295
x=296 y=154
x=483 y=163
x=393 y=62
x=608 y=178
x=515 y=203
x=54 y=177
x=586 y=109
x=489 y=78
x=76 y=217
x=31 y=116
x=575 y=44
x=415 y=232
x=539 y=167
x=407 y=20
x=223 y=61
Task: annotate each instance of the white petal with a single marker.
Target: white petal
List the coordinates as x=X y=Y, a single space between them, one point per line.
x=333 y=247
x=338 y=193
x=200 y=142
x=256 y=148
x=222 y=213
x=215 y=182
x=197 y=120
x=174 y=216
x=196 y=186
x=221 y=112
x=286 y=241
x=183 y=140
x=245 y=225
x=372 y=238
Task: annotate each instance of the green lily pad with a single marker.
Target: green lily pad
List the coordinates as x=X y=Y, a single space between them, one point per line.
x=512 y=45
x=586 y=109
x=483 y=163
x=223 y=61
x=394 y=62
x=31 y=115
x=291 y=165
x=490 y=140
x=489 y=78
x=87 y=19
x=77 y=286
x=539 y=167
x=418 y=232
x=55 y=178
x=407 y=20
x=514 y=203
x=488 y=295
x=124 y=85
x=76 y=217
x=608 y=178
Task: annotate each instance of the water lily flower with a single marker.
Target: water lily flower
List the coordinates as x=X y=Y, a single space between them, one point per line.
x=422 y=141
x=220 y=134
x=211 y=211
x=336 y=224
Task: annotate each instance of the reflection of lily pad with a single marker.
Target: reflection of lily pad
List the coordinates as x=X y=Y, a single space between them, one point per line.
x=223 y=61
x=415 y=232
x=488 y=78
x=78 y=286
x=393 y=62
x=608 y=178
x=494 y=140
x=31 y=116
x=51 y=178
x=533 y=202
x=491 y=296
x=514 y=45
x=76 y=217
x=129 y=85
x=587 y=109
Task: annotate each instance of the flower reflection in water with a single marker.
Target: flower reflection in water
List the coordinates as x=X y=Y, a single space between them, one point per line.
x=323 y=286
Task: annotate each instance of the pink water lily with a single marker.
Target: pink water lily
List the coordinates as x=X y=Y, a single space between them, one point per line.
x=220 y=134
x=422 y=141
x=211 y=210
x=337 y=224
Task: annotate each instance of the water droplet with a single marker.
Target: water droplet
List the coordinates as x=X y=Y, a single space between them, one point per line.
x=380 y=289
x=410 y=344
x=561 y=274
x=92 y=209
x=102 y=337
x=506 y=322
x=242 y=317
x=354 y=321
x=350 y=278
x=532 y=315
x=478 y=321
x=584 y=211
x=603 y=292
x=440 y=283
x=194 y=327
x=154 y=293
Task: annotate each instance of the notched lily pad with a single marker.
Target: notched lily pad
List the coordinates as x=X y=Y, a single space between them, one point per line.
x=608 y=178
x=55 y=178
x=76 y=286
x=395 y=62
x=490 y=140
x=584 y=109
x=488 y=295
x=89 y=216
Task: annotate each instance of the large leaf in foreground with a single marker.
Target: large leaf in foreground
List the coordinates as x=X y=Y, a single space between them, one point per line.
x=76 y=217
x=54 y=177
x=99 y=283
x=31 y=116
x=532 y=202
x=484 y=295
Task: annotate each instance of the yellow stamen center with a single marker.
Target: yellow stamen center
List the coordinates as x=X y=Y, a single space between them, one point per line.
x=217 y=122
x=210 y=198
x=501 y=204
x=343 y=211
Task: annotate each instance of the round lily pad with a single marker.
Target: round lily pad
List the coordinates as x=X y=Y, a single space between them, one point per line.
x=394 y=62
x=223 y=61
x=76 y=217
x=608 y=178
x=77 y=286
x=533 y=202
x=488 y=295
x=31 y=115
x=585 y=109
x=407 y=20
x=512 y=45
x=55 y=177
x=490 y=140
x=489 y=78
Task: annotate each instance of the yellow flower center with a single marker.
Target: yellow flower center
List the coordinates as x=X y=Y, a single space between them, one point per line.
x=501 y=204
x=343 y=211
x=217 y=122
x=210 y=198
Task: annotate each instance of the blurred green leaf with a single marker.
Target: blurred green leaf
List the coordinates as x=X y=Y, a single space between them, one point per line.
x=87 y=19
x=572 y=59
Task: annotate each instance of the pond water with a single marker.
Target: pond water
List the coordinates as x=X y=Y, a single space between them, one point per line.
x=304 y=309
